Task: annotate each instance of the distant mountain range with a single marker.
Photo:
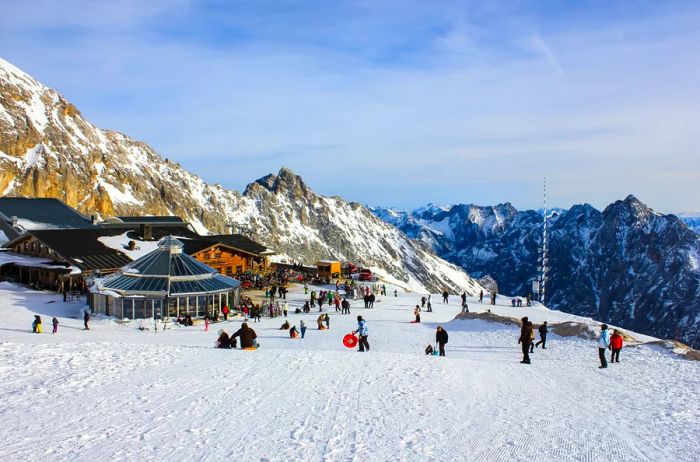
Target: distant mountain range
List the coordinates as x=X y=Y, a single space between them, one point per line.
x=626 y=265
x=692 y=220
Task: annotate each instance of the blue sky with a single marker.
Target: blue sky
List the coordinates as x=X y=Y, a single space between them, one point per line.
x=390 y=103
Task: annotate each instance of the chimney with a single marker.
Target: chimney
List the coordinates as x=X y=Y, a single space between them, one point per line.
x=14 y=221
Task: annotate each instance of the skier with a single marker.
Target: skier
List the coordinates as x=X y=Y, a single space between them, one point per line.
x=525 y=339
x=86 y=319
x=603 y=344
x=445 y=295
x=615 y=346
x=223 y=341
x=362 y=330
x=481 y=296
x=247 y=336
x=302 y=328
x=543 y=336
x=441 y=339
x=54 y=321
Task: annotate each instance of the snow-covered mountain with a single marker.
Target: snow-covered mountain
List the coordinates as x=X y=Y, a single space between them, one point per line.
x=626 y=265
x=48 y=149
x=692 y=220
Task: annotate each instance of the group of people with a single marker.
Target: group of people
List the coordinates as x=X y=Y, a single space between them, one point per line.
x=37 y=324
x=609 y=342
x=527 y=338
x=246 y=334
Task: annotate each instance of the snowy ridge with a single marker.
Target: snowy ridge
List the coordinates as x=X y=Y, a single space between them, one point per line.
x=49 y=150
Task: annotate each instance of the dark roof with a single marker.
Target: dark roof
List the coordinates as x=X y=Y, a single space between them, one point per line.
x=152 y=219
x=167 y=270
x=81 y=247
x=237 y=241
x=45 y=212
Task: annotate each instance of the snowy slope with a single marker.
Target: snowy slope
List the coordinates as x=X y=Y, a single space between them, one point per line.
x=117 y=393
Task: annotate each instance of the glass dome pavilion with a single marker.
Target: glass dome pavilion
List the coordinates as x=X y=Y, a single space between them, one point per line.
x=165 y=283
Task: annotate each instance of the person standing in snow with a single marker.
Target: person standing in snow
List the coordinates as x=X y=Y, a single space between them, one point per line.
x=603 y=344
x=615 y=346
x=86 y=319
x=285 y=308
x=441 y=338
x=346 y=306
x=54 y=321
x=416 y=313
x=372 y=298
x=225 y=310
x=396 y=293
x=464 y=299
x=327 y=320
x=36 y=324
x=543 y=336
x=362 y=330
x=445 y=296
x=302 y=328
x=532 y=338
x=481 y=296
x=525 y=339
x=422 y=301
x=206 y=323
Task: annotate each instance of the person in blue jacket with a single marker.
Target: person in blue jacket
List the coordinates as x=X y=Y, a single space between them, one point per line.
x=603 y=344
x=362 y=330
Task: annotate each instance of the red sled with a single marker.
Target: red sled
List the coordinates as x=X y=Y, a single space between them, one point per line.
x=350 y=341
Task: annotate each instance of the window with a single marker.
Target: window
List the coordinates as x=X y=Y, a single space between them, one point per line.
x=206 y=256
x=217 y=255
x=229 y=270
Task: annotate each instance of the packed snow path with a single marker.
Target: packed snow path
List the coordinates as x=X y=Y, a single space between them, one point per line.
x=116 y=393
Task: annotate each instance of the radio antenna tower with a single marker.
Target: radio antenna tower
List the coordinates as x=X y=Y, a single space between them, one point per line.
x=543 y=256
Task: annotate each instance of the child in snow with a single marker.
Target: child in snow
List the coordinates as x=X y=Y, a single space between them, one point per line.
x=416 y=313
x=362 y=330
x=54 y=321
x=285 y=326
x=319 y=322
x=302 y=327
x=615 y=346
x=37 y=321
x=293 y=333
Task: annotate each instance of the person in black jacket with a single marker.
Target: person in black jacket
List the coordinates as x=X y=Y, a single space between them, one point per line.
x=247 y=336
x=525 y=339
x=223 y=341
x=441 y=339
x=543 y=336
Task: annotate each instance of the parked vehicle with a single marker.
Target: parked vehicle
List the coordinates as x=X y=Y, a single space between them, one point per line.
x=366 y=275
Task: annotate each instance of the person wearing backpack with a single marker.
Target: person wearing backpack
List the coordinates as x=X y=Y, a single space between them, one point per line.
x=615 y=346
x=441 y=338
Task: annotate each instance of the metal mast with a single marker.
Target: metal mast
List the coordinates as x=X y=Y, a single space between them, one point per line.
x=543 y=255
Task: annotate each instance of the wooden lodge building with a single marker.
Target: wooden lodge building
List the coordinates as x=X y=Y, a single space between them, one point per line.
x=51 y=246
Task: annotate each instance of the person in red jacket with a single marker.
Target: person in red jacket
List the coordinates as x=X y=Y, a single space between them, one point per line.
x=615 y=346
